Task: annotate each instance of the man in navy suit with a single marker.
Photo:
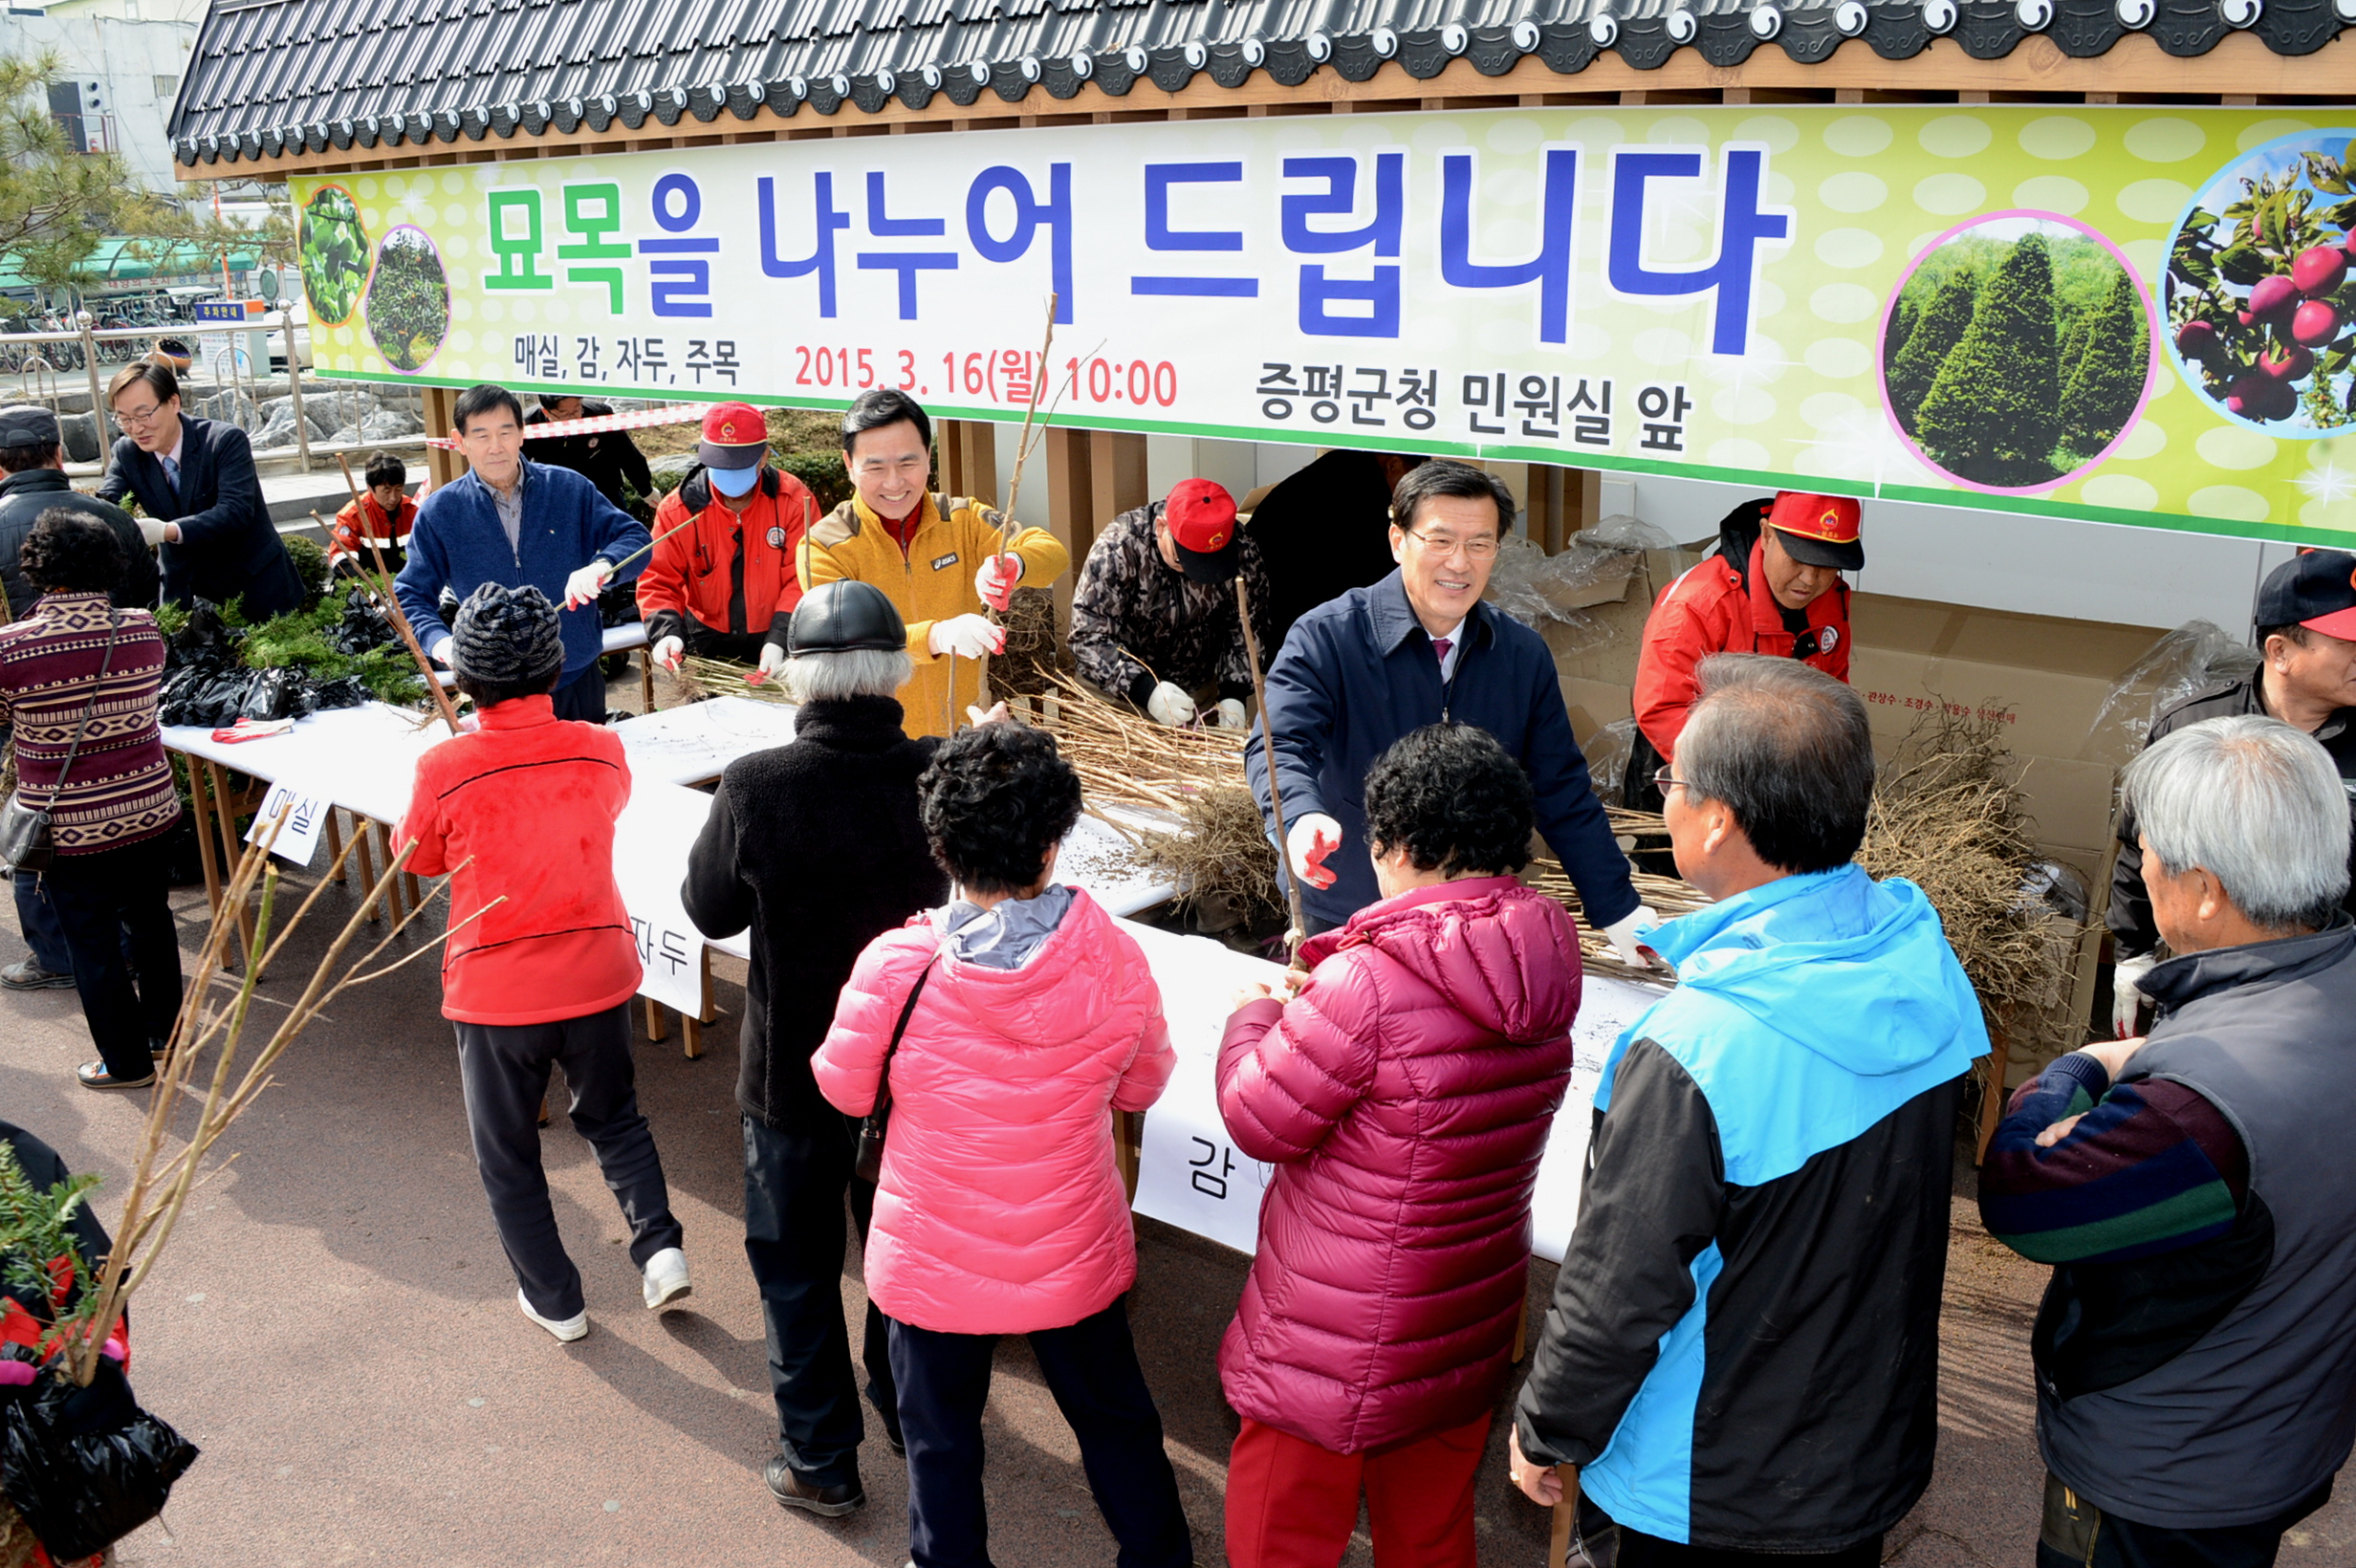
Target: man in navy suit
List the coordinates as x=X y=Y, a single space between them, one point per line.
x=195 y=482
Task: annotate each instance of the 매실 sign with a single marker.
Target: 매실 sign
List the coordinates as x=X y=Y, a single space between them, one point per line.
x=2131 y=314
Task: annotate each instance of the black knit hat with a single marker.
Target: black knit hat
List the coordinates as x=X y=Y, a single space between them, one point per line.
x=507 y=636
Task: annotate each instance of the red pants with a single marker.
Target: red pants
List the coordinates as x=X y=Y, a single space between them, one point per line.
x=1290 y=1504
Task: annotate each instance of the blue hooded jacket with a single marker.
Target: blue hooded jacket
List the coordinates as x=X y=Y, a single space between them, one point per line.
x=1743 y=1353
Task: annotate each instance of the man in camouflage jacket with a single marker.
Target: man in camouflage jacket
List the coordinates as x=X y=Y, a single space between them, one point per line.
x=1154 y=618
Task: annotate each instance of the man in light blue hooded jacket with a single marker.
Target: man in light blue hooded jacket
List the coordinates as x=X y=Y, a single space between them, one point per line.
x=1742 y=1353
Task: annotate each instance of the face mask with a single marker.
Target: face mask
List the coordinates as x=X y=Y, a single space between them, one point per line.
x=733 y=482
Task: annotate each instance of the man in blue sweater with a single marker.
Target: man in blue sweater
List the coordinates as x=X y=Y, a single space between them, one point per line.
x=1419 y=647
x=515 y=522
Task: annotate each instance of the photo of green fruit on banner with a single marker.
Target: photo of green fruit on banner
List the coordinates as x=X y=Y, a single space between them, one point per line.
x=333 y=249
x=2261 y=311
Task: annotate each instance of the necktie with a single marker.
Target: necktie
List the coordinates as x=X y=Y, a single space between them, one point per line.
x=171 y=476
x=1439 y=648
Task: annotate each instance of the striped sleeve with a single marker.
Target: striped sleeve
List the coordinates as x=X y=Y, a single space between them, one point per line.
x=2151 y=1167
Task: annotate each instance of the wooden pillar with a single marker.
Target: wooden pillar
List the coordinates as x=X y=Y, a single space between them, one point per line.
x=1562 y=501
x=1117 y=475
x=1071 y=503
x=969 y=458
x=441 y=464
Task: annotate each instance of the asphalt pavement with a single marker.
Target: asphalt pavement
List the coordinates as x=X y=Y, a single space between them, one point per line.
x=335 y=1325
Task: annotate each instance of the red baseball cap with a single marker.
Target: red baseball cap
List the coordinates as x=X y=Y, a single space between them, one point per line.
x=735 y=436
x=1819 y=530
x=2315 y=589
x=1202 y=524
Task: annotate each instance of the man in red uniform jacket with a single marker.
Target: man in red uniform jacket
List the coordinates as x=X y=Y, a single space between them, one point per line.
x=721 y=581
x=1772 y=586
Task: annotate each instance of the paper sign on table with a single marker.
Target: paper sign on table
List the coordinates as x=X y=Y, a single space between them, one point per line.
x=306 y=816
x=673 y=953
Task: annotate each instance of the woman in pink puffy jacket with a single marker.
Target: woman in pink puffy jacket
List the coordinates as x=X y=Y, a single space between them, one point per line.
x=1404 y=1096
x=999 y=1209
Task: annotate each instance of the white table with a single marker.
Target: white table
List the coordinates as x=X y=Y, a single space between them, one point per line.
x=695 y=743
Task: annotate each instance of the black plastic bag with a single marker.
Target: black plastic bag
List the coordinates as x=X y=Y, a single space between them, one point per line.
x=85 y=1466
x=273 y=694
x=363 y=626
x=343 y=692
x=206 y=641
x=215 y=702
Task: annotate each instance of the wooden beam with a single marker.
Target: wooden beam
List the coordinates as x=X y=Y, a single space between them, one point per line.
x=1071 y=505
x=2241 y=67
x=445 y=464
x=1116 y=476
x=974 y=468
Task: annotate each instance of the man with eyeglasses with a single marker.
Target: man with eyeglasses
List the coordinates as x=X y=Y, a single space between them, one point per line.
x=941 y=560
x=202 y=501
x=1772 y=586
x=1419 y=647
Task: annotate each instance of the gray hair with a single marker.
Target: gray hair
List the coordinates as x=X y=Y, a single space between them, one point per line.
x=1785 y=748
x=2254 y=803
x=854 y=672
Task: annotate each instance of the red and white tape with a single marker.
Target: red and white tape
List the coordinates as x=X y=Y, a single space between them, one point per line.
x=682 y=413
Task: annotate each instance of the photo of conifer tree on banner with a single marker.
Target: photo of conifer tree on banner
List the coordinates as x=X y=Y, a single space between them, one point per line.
x=2016 y=353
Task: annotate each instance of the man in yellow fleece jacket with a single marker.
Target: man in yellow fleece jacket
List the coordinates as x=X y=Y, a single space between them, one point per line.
x=935 y=557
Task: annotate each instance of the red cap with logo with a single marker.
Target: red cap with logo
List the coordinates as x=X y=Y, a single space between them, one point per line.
x=735 y=436
x=1819 y=530
x=1202 y=524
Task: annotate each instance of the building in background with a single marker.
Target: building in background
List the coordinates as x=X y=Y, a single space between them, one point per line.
x=121 y=64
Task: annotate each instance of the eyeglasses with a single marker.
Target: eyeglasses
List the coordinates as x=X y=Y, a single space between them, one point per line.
x=142 y=418
x=1662 y=782
x=1444 y=545
x=876 y=468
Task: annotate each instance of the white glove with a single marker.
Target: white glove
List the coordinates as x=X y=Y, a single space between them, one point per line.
x=2127 y=994
x=772 y=660
x=996 y=580
x=1169 y=704
x=1229 y=714
x=151 y=530
x=966 y=637
x=1307 y=841
x=1621 y=935
x=581 y=587
x=440 y=652
x=667 y=652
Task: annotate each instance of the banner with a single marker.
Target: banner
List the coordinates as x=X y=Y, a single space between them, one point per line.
x=2137 y=316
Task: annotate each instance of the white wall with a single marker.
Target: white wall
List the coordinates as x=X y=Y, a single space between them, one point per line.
x=126 y=59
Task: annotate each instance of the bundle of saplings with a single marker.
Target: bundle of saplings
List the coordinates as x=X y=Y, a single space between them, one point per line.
x=337 y=653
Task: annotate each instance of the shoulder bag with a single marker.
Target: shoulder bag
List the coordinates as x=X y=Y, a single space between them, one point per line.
x=24 y=840
x=868 y=1164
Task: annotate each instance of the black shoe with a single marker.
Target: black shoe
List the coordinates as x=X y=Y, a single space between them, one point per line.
x=94 y=1076
x=826 y=1502
x=28 y=975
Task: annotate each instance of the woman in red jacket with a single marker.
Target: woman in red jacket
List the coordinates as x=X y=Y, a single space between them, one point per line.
x=1404 y=1096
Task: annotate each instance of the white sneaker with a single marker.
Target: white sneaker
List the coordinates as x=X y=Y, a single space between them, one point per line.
x=566 y=1329
x=666 y=1279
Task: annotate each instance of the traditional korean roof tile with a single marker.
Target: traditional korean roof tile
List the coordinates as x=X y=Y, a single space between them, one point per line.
x=277 y=77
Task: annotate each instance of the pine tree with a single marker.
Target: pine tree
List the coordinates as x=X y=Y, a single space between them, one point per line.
x=1902 y=323
x=2073 y=335
x=2101 y=393
x=1993 y=412
x=1935 y=332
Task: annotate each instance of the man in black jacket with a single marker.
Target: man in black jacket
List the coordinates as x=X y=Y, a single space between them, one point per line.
x=194 y=479
x=2306 y=636
x=605 y=459
x=815 y=845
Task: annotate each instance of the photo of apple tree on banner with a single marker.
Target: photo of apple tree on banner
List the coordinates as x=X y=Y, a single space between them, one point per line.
x=2259 y=301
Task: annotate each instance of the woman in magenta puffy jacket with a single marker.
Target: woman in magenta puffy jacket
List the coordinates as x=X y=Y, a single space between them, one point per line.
x=999 y=1209
x=1404 y=1096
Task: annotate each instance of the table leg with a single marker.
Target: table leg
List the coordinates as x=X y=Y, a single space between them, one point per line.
x=656 y=1030
x=200 y=802
x=335 y=847
x=645 y=680
x=367 y=864
x=409 y=880
x=392 y=884
x=225 y=819
x=1128 y=1138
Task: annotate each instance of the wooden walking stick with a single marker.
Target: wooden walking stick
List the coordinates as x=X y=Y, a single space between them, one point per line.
x=1268 y=751
x=1566 y=1518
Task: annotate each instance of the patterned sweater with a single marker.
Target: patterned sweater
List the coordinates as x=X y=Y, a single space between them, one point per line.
x=2151 y=1167
x=1136 y=620
x=121 y=788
